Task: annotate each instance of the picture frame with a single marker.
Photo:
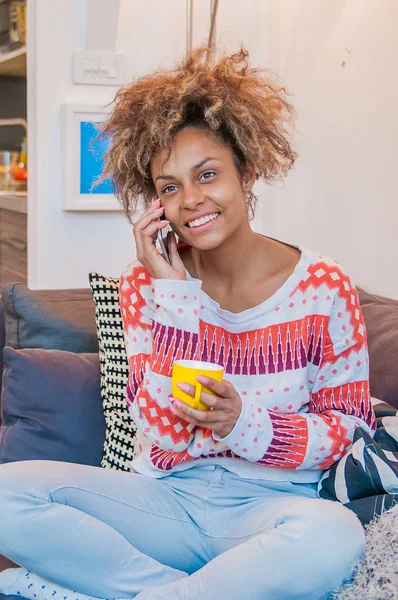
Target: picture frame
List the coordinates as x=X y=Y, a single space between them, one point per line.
x=83 y=160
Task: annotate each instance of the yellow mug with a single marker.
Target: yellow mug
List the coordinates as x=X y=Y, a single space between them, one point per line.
x=186 y=371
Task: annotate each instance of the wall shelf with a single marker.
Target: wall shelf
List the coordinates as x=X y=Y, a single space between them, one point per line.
x=13 y=63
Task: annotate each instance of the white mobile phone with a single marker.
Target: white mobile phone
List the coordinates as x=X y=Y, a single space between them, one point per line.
x=162 y=243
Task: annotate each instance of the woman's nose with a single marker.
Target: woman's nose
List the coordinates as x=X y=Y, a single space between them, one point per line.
x=192 y=198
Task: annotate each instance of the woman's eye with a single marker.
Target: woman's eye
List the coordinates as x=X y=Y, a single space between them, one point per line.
x=207 y=175
x=168 y=189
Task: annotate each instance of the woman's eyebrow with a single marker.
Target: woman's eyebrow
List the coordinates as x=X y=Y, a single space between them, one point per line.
x=194 y=168
x=202 y=162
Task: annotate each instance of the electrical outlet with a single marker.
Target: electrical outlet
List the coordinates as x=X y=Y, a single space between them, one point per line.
x=99 y=68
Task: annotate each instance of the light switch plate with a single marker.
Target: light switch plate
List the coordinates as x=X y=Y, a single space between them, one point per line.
x=99 y=68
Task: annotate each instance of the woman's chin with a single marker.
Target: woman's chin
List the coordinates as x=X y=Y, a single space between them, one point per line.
x=205 y=245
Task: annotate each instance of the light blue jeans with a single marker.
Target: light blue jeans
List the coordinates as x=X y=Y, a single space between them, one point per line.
x=202 y=534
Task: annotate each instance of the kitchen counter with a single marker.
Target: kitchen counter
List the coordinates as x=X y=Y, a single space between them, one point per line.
x=13 y=237
x=14 y=201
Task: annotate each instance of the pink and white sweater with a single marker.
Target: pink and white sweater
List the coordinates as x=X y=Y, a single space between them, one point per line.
x=299 y=362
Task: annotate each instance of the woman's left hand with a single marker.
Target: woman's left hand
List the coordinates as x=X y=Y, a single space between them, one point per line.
x=224 y=406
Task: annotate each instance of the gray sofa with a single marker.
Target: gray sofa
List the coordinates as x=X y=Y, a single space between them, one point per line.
x=49 y=350
x=48 y=343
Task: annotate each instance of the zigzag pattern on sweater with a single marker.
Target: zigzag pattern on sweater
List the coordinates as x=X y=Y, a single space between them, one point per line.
x=297 y=339
x=274 y=349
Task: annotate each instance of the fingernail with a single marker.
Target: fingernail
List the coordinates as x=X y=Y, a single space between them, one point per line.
x=201 y=379
x=183 y=386
x=175 y=402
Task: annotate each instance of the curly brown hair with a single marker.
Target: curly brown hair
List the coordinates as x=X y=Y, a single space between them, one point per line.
x=234 y=102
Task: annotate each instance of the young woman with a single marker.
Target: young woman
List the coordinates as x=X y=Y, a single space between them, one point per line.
x=220 y=503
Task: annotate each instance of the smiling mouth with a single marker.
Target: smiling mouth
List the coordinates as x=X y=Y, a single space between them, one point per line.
x=202 y=221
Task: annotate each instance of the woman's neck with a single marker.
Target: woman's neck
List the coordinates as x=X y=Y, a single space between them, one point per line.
x=244 y=275
x=226 y=264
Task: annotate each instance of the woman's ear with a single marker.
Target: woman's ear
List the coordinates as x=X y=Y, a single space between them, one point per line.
x=249 y=177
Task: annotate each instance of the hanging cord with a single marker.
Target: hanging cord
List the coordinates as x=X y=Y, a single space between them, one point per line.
x=214 y=6
x=189 y=28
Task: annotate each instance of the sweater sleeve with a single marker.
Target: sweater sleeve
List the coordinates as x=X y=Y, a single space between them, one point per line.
x=322 y=430
x=161 y=324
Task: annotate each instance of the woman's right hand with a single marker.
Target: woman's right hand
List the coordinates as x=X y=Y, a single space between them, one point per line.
x=145 y=232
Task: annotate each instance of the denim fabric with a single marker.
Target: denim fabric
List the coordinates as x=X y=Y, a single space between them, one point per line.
x=201 y=534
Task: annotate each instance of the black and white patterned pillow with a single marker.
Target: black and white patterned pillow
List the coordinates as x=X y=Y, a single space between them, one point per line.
x=370 y=467
x=120 y=428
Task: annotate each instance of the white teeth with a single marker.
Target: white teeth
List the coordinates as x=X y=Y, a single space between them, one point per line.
x=203 y=220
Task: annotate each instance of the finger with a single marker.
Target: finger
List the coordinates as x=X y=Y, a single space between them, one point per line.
x=175 y=257
x=184 y=416
x=201 y=418
x=220 y=388
x=172 y=247
x=153 y=227
x=148 y=214
x=214 y=426
x=210 y=399
x=145 y=239
x=148 y=217
x=187 y=410
x=187 y=388
x=153 y=205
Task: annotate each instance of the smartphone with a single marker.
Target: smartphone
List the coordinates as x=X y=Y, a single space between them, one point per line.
x=162 y=242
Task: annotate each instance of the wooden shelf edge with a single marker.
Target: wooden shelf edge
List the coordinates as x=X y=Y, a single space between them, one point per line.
x=7 y=194
x=13 y=63
x=17 y=202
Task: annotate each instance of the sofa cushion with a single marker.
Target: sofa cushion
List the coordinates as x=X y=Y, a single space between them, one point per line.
x=51 y=407
x=381 y=320
x=52 y=320
x=120 y=428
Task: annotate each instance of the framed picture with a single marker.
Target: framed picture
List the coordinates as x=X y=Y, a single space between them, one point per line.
x=83 y=160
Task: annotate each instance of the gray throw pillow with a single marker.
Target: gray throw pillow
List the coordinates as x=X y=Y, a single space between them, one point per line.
x=51 y=407
x=381 y=320
x=52 y=320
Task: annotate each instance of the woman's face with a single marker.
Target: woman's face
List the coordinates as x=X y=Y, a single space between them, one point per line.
x=199 y=185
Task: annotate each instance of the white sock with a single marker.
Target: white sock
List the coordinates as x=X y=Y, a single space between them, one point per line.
x=20 y=582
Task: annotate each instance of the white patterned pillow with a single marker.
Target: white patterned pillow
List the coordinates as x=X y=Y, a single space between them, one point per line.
x=120 y=429
x=370 y=467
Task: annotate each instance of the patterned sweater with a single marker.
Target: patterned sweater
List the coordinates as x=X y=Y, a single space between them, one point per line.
x=298 y=360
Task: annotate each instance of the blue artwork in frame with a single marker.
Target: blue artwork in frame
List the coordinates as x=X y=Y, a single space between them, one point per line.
x=84 y=160
x=91 y=160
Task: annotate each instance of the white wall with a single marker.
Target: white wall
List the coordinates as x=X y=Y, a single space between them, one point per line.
x=340 y=198
x=62 y=247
